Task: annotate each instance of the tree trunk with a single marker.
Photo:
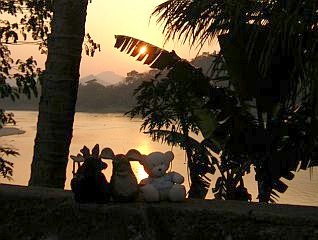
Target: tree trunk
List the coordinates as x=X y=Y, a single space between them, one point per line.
x=59 y=93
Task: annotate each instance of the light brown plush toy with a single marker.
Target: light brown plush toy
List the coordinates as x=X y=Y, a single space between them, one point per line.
x=124 y=186
x=161 y=185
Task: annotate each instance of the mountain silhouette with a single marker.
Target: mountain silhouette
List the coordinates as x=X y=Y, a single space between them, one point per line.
x=105 y=78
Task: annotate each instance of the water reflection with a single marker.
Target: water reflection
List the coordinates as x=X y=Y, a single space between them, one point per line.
x=139 y=171
x=121 y=134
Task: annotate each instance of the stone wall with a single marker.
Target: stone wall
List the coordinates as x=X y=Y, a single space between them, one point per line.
x=51 y=214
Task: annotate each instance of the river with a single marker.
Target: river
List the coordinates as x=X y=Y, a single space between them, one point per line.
x=121 y=134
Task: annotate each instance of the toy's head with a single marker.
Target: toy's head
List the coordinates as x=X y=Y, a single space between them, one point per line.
x=121 y=162
x=156 y=164
x=92 y=163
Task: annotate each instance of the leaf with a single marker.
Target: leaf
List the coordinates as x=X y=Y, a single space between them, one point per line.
x=206 y=121
x=154 y=56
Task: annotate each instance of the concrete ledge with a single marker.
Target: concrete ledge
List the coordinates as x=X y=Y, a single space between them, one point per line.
x=51 y=214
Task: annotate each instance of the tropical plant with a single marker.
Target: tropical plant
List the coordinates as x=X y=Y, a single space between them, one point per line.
x=239 y=130
x=166 y=105
x=173 y=112
x=270 y=48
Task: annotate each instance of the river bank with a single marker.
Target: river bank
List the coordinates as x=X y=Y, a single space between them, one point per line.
x=52 y=214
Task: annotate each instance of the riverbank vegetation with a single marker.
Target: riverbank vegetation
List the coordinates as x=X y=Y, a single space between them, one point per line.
x=95 y=97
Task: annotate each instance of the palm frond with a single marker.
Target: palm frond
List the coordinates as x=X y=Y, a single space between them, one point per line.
x=201 y=21
x=281 y=31
x=154 y=56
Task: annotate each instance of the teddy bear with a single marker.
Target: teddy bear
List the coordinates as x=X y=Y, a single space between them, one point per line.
x=161 y=185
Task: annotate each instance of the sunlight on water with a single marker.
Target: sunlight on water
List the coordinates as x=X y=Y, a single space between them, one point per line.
x=144 y=147
x=139 y=171
x=122 y=134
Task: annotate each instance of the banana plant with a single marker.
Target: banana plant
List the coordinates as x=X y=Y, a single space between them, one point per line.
x=173 y=106
x=231 y=125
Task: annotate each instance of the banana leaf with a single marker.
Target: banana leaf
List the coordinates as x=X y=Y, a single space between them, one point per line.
x=154 y=56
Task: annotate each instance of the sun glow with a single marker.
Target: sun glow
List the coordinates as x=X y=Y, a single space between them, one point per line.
x=139 y=171
x=143 y=50
x=144 y=147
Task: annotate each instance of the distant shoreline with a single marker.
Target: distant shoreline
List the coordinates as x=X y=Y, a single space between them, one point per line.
x=110 y=110
x=7 y=131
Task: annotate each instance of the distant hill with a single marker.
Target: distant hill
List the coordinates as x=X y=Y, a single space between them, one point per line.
x=106 y=91
x=104 y=78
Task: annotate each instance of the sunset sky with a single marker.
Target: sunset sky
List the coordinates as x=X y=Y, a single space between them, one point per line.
x=107 y=18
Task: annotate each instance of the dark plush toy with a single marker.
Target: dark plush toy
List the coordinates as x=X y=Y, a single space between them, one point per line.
x=89 y=184
x=124 y=185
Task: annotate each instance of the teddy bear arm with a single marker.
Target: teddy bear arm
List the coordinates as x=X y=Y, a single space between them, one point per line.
x=144 y=181
x=177 y=178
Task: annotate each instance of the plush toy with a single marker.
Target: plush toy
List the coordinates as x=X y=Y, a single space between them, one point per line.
x=161 y=185
x=124 y=186
x=89 y=184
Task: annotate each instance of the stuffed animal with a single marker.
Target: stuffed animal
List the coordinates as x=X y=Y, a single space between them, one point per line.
x=89 y=184
x=124 y=185
x=161 y=185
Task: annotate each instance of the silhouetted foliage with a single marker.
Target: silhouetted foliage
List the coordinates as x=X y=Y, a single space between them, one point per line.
x=166 y=104
x=29 y=24
x=6 y=167
x=6 y=118
x=236 y=127
x=18 y=77
x=271 y=60
x=33 y=23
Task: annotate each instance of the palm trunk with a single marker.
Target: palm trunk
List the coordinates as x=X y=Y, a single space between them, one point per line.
x=59 y=93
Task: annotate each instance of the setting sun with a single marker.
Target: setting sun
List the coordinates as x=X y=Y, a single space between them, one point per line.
x=143 y=50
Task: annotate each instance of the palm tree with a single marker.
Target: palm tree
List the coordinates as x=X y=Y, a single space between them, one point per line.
x=59 y=92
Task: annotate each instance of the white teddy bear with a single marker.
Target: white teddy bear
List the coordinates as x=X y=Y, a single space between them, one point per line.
x=161 y=185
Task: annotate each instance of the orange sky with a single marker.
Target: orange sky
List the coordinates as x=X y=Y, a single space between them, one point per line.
x=107 y=18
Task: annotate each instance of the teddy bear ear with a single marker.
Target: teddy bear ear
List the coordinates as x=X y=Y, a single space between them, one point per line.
x=169 y=156
x=133 y=155
x=107 y=153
